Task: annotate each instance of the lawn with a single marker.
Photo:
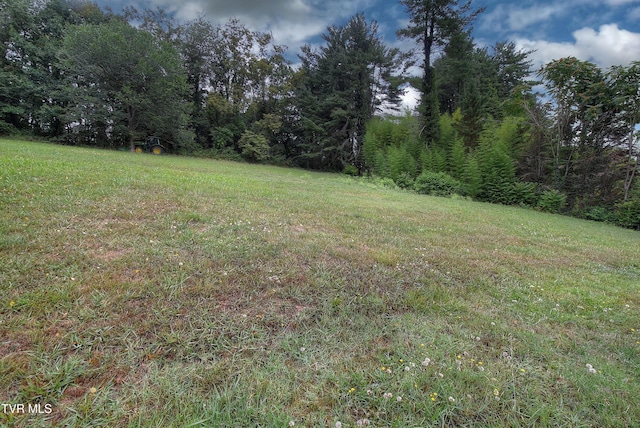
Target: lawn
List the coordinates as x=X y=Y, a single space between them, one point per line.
x=140 y=290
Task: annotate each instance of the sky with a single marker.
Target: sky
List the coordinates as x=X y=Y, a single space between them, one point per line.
x=606 y=32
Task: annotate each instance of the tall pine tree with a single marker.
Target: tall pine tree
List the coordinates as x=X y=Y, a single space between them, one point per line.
x=432 y=24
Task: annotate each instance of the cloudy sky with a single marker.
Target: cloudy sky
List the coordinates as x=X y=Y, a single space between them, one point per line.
x=606 y=32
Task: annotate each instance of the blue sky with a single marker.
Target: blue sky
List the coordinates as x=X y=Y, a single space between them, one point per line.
x=606 y=32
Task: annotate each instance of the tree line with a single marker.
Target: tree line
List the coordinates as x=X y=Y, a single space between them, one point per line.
x=74 y=73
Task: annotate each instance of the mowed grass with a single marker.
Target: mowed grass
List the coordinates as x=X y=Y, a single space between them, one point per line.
x=167 y=291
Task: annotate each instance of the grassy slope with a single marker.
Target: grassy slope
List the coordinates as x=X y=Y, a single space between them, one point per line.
x=163 y=291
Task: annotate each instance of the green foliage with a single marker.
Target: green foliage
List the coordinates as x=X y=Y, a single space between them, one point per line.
x=222 y=137
x=627 y=214
x=472 y=177
x=391 y=149
x=592 y=108
x=350 y=170
x=341 y=87
x=525 y=194
x=457 y=159
x=594 y=213
x=138 y=81
x=255 y=147
x=436 y=159
x=437 y=184
x=405 y=181
x=497 y=167
x=552 y=201
x=432 y=25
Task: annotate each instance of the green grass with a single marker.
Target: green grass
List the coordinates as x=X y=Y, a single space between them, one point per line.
x=168 y=291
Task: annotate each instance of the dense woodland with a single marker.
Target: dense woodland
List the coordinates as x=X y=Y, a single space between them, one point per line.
x=73 y=73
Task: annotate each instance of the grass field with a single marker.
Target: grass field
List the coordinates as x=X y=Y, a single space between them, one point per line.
x=141 y=290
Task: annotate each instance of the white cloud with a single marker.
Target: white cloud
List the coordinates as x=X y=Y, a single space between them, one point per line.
x=292 y=22
x=634 y=14
x=513 y=18
x=523 y=18
x=411 y=98
x=608 y=46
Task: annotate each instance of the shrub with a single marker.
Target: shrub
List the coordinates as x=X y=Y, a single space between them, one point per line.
x=498 y=192
x=6 y=128
x=627 y=214
x=350 y=170
x=437 y=184
x=596 y=214
x=552 y=201
x=255 y=147
x=386 y=183
x=525 y=194
x=472 y=177
x=405 y=181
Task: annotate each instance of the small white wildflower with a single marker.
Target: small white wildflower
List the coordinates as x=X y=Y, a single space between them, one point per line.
x=338 y=424
x=398 y=399
x=453 y=400
x=387 y=395
x=292 y=423
x=592 y=370
x=440 y=375
x=426 y=362
x=407 y=368
x=369 y=392
x=589 y=366
x=389 y=371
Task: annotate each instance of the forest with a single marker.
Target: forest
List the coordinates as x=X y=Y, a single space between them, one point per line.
x=73 y=73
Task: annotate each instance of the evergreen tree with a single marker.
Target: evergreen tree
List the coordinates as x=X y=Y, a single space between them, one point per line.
x=432 y=24
x=344 y=83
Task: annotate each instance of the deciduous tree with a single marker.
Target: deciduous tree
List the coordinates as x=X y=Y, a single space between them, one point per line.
x=125 y=74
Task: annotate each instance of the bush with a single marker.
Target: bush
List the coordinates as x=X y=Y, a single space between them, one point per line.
x=596 y=214
x=350 y=170
x=627 y=214
x=405 y=181
x=6 y=128
x=386 y=183
x=255 y=147
x=437 y=184
x=525 y=194
x=498 y=192
x=552 y=201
